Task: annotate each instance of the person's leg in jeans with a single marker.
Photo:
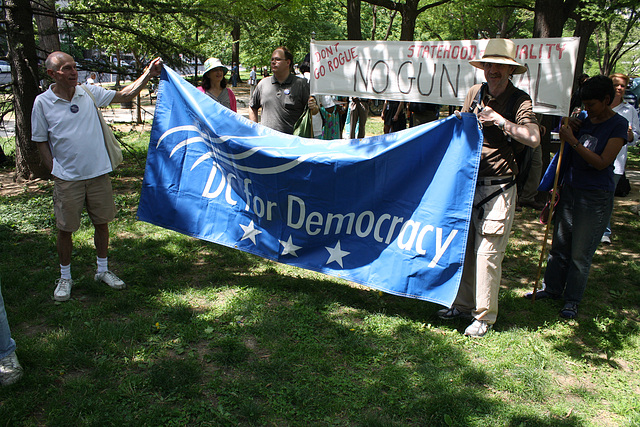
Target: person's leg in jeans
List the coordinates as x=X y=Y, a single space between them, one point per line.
x=592 y=211
x=7 y=344
x=555 y=275
x=606 y=237
x=10 y=369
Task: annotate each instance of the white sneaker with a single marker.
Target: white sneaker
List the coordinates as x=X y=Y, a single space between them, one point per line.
x=10 y=369
x=477 y=329
x=63 y=289
x=110 y=279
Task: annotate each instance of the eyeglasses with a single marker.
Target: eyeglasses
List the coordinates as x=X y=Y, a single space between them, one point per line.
x=277 y=59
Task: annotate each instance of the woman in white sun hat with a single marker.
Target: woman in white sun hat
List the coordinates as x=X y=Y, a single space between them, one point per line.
x=214 y=83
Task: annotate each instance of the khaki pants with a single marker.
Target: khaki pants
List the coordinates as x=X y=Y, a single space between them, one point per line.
x=488 y=237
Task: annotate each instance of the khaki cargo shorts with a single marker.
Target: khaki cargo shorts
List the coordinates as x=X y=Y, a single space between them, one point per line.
x=70 y=197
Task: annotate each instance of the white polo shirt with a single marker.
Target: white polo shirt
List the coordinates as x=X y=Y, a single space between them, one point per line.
x=73 y=131
x=629 y=113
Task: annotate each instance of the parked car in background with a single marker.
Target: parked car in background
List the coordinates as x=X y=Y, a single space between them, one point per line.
x=5 y=67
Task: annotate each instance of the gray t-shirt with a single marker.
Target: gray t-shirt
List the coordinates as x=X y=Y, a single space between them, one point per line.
x=282 y=104
x=223 y=98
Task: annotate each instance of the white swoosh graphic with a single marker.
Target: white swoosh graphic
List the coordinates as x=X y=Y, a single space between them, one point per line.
x=229 y=159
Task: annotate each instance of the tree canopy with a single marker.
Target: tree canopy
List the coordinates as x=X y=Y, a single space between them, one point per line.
x=247 y=31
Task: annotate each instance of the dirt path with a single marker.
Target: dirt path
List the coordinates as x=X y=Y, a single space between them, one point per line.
x=9 y=186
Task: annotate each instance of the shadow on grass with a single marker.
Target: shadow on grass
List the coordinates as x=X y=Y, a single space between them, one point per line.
x=608 y=319
x=206 y=335
x=263 y=349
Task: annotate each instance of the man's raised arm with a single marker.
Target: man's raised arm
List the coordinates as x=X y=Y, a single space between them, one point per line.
x=128 y=93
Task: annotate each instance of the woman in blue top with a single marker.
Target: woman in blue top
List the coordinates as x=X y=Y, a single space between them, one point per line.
x=586 y=199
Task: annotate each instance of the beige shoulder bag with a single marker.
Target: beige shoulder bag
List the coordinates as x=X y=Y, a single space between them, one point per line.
x=110 y=140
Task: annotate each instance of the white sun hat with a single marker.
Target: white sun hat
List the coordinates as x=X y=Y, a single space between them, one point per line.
x=212 y=63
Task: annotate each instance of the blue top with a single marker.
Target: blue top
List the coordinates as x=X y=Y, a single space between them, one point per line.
x=595 y=137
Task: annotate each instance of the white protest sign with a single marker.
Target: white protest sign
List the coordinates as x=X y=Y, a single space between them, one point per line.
x=439 y=72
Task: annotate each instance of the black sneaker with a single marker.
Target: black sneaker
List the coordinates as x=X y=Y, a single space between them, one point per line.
x=542 y=294
x=569 y=311
x=452 y=313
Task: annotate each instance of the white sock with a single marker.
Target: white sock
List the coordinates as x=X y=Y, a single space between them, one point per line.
x=103 y=265
x=65 y=271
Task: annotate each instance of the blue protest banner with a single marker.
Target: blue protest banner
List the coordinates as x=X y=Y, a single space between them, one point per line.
x=391 y=212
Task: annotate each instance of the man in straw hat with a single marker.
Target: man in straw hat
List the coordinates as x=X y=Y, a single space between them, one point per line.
x=506 y=115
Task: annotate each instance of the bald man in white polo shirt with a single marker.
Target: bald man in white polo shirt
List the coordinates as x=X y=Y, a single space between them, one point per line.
x=66 y=127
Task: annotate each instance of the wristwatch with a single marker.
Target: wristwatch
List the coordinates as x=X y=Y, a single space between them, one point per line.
x=501 y=123
x=575 y=145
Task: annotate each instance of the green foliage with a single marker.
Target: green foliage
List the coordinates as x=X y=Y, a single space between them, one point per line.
x=34 y=213
x=614 y=46
x=291 y=26
x=181 y=30
x=201 y=29
x=145 y=29
x=386 y=22
x=463 y=20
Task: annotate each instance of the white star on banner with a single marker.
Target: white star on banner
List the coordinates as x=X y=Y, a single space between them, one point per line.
x=250 y=232
x=336 y=254
x=289 y=247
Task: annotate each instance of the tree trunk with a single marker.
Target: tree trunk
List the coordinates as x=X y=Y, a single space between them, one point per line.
x=392 y=16
x=44 y=13
x=548 y=20
x=138 y=66
x=606 y=59
x=612 y=54
x=584 y=29
x=24 y=71
x=139 y=109
x=118 y=75
x=374 y=24
x=235 y=47
x=550 y=17
x=409 y=14
x=354 y=27
x=503 y=31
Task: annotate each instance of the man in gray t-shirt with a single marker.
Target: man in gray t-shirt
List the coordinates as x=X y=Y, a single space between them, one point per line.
x=282 y=97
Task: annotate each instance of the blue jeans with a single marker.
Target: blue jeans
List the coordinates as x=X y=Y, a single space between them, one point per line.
x=581 y=218
x=607 y=231
x=7 y=344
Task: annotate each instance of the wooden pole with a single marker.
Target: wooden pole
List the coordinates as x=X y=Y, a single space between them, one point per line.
x=551 y=206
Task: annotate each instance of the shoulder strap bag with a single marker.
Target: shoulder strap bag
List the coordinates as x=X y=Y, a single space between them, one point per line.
x=110 y=141
x=304 y=125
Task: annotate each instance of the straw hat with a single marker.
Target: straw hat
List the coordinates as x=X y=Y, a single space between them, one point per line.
x=500 y=51
x=212 y=63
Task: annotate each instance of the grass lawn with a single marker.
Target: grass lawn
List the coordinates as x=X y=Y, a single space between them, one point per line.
x=206 y=335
